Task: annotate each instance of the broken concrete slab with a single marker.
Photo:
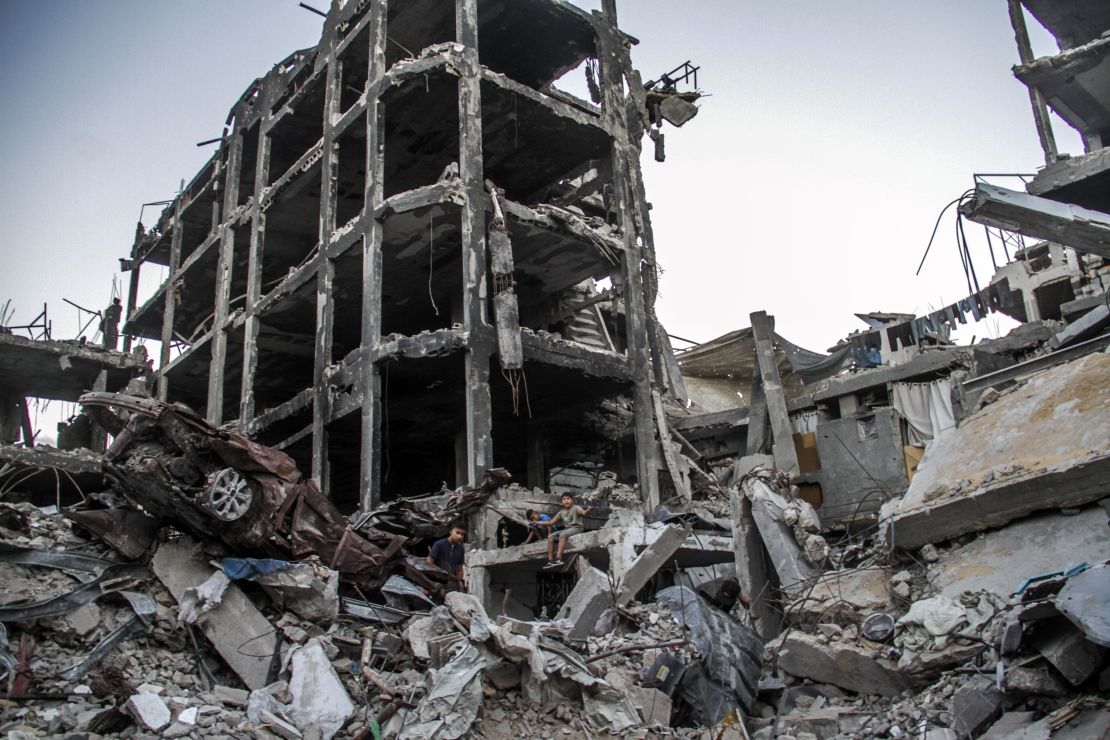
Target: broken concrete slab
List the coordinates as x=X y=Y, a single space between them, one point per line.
x=842 y=664
x=278 y=726
x=149 y=710
x=654 y=706
x=1011 y=725
x=231 y=625
x=62 y=369
x=1085 y=600
x=84 y=620
x=1065 y=647
x=819 y=721
x=1090 y=324
x=999 y=560
x=850 y=594
x=976 y=704
x=585 y=604
x=231 y=696
x=503 y=674
x=1080 y=228
x=1092 y=723
x=1034 y=678
x=648 y=562
x=1053 y=429
x=319 y=698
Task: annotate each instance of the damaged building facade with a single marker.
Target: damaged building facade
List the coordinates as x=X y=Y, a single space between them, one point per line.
x=413 y=258
x=413 y=291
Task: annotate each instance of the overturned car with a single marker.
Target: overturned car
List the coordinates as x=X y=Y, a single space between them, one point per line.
x=171 y=463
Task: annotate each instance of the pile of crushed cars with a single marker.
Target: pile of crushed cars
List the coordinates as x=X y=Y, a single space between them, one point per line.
x=214 y=592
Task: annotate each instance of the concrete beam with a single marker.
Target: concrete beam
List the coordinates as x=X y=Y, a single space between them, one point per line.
x=1040 y=218
x=778 y=538
x=751 y=567
x=763 y=332
x=648 y=563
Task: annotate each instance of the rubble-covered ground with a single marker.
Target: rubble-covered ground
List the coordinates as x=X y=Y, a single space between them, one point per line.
x=822 y=679
x=234 y=618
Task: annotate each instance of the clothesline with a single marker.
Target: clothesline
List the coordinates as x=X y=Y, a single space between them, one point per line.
x=993 y=298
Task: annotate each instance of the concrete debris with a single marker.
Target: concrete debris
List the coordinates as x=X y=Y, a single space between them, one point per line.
x=777 y=519
x=856 y=668
x=976 y=704
x=903 y=538
x=319 y=698
x=1072 y=458
x=1003 y=558
x=1036 y=679
x=1085 y=600
x=232 y=624
x=586 y=602
x=307 y=588
x=149 y=710
x=201 y=599
x=1069 y=652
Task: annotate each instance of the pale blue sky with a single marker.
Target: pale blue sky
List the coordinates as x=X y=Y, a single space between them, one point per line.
x=808 y=185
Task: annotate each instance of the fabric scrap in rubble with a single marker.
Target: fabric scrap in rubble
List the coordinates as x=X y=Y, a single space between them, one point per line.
x=203 y=598
x=449 y=709
x=929 y=623
x=731 y=654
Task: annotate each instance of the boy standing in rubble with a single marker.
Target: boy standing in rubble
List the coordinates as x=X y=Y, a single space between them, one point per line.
x=448 y=554
x=570 y=516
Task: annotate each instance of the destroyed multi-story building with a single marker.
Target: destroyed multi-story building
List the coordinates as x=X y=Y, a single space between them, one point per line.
x=413 y=258
x=427 y=261
x=51 y=370
x=1066 y=202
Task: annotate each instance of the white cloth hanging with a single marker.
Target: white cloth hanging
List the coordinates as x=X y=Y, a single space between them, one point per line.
x=804 y=421
x=926 y=407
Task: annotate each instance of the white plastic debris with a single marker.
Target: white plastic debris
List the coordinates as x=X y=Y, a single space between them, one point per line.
x=203 y=598
x=449 y=709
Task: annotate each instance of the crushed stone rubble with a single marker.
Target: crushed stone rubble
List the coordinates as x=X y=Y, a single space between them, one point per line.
x=341 y=676
x=210 y=634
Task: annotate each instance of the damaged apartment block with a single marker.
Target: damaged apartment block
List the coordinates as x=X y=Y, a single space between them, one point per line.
x=415 y=268
x=52 y=370
x=413 y=257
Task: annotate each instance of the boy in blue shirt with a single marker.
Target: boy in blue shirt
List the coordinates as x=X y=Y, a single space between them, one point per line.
x=536 y=530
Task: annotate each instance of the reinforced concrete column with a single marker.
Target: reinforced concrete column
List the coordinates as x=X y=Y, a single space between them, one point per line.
x=371 y=331
x=637 y=325
x=480 y=346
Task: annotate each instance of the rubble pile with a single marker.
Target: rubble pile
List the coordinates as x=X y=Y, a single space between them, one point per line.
x=214 y=592
x=433 y=674
x=903 y=538
x=200 y=628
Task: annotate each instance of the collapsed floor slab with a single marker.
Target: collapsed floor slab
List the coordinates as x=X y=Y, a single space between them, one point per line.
x=233 y=624
x=1000 y=560
x=1051 y=432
